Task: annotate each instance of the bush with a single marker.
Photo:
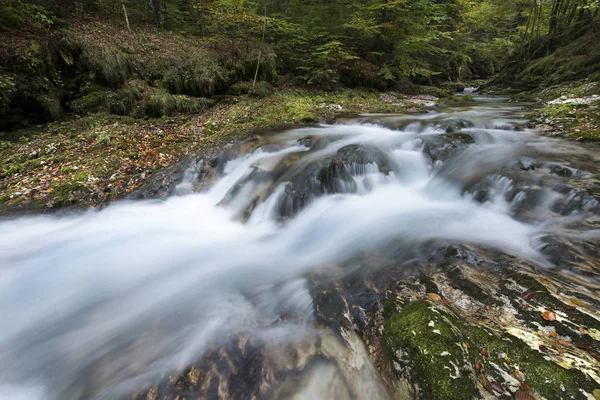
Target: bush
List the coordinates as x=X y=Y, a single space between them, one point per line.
x=139 y=100
x=10 y=17
x=262 y=89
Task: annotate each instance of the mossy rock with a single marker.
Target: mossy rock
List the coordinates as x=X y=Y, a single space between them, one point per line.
x=545 y=377
x=436 y=350
x=425 y=337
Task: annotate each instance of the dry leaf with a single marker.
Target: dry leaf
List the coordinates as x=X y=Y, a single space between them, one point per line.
x=497 y=387
x=583 y=347
x=521 y=395
x=485 y=382
x=553 y=334
x=434 y=297
x=518 y=375
x=478 y=365
x=483 y=352
x=564 y=343
x=549 y=316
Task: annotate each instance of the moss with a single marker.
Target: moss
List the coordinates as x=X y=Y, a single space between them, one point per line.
x=197 y=74
x=262 y=89
x=110 y=63
x=577 y=121
x=64 y=191
x=453 y=99
x=422 y=331
x=10 y=17
x=240 y=88
x=91 y=102
x=434 y=346
x=544 y=376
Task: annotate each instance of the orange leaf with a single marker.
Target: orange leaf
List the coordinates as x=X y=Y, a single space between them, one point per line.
x=549 y=316
x=434 y=297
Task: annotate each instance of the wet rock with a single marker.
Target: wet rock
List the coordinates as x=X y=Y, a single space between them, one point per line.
x=332 y=175
x=427 y=349
x=456 y=125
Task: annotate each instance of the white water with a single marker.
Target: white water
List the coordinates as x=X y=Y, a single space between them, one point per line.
x=142 y=288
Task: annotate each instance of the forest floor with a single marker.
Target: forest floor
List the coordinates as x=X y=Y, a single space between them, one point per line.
x=95 y=159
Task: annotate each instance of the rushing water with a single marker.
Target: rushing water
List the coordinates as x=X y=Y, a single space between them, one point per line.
x=99 y=304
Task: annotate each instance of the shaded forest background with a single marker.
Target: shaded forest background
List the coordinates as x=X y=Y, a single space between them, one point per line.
x=158 y=57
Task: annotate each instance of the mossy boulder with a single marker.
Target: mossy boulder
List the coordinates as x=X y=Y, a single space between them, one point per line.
x=445 y=355
x=428 y=348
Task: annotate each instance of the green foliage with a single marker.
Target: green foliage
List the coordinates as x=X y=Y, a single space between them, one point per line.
x=10 y=17
x=110 y=63
x=261 y=89
x=8 y=89
x=139 y=100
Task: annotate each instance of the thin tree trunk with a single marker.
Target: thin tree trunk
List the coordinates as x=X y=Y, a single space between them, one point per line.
x=125 y=13
x=262 y=40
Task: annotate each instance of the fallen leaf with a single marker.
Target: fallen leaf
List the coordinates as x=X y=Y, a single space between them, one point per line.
x=549 y=316
x=564 y=343
x=478 y=365
x=522 y=395
x=569 y=307
x=553 y=334
x=483 y=352
x=583 y=347
x=581 y=330
x=485 y=382
x=527 y=295
x=434 y=297
x=544 y=349
x=518 y=375
x=497 y=387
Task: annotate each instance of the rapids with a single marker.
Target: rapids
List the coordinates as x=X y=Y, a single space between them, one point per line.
x=97 y=304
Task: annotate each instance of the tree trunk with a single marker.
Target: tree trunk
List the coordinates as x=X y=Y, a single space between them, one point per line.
x=155 y=13
x=125 y=13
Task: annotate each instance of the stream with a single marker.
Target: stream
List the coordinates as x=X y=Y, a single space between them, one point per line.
x=268 y=267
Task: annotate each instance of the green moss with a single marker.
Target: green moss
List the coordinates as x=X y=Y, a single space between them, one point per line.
x=10 y=17
x=572 y=120
x=421 y=332
x=261 y=89
x=544 y=376
x=109 y=63
x=63 y=191
x=435 y=349
x=467 y=98
x=91 y=102
x=81 y=176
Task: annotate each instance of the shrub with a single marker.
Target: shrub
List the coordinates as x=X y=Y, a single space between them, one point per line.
x=262 y=89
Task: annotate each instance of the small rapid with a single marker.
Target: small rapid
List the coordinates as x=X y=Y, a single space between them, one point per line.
x=100 y=303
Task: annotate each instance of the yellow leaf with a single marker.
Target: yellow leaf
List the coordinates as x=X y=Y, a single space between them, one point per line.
x=434 y=297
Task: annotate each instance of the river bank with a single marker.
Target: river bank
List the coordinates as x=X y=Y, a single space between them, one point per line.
x=567 y=110
x=446 y=254
x=95 y=159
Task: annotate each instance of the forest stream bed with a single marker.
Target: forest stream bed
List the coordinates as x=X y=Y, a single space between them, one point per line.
x=449 y=253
